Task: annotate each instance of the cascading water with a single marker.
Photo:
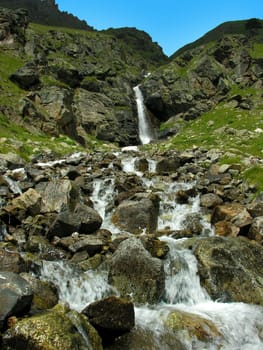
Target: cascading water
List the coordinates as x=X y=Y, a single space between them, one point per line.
x=239 y=325
x=146 y=133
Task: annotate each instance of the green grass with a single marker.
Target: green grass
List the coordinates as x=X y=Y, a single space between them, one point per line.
x=254 y=176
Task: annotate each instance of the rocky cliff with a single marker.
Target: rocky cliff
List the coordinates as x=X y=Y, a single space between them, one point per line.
x=77 y=83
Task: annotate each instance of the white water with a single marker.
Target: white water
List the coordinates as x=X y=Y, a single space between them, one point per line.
x=240 y=325
x=145 y=130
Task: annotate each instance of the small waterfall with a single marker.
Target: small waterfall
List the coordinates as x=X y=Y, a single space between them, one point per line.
x=146 y=133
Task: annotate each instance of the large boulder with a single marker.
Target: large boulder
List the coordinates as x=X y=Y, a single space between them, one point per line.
x=135 y=273
x=11 y=261
x=81 y=219
x=56 y=329
x=26 y=77
x=111 y=317
x=28 y=203
x=137 y=213
x=15 y=296
x=230 y=269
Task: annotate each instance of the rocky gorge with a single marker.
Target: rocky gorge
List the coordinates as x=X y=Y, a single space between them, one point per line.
x=115 y=245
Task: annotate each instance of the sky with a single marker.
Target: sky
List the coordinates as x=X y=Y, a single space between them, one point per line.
x=170 y=23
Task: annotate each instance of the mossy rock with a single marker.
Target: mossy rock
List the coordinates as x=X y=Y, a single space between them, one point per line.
x=56 y=329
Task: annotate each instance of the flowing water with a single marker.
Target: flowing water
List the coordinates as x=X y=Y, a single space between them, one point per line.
x=240 y=325
x=146 y=133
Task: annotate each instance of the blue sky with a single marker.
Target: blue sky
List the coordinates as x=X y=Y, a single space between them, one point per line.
x=171 y=23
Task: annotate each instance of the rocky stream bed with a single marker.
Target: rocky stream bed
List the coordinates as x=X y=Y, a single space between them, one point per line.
x=130 y=250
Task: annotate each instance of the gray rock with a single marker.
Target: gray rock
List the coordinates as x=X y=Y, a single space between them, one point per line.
x=81 y=219
x=230 y=269
x=26 y=77
x=15 y=296
x=138 y=213
x=135 y=273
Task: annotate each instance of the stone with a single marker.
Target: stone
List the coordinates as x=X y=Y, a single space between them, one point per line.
x=91 y=244
x=56 y=196
x=210 y=200
x=230 y=269
x=82 y=219
x=55 y=329
x=135 y=273
x=11 y=261
x=45 y=295
x=26 y=77
x=256 y=230
x=138 y=213
x=168 y=165
x=28 y=203
x=15 y=296
x=111 y=317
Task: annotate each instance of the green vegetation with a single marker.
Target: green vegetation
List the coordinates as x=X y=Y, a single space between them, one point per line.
x=254 y=176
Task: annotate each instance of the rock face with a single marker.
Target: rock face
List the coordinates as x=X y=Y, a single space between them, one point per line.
x=79 y=84
x=56 y=329
x=230 y=269
x=135 y=273
x=15 y=296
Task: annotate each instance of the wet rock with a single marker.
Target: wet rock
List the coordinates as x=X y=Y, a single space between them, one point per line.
x=56 y=329
x=138 y=213
x=157 y=248
x=15 y=296
x=210 y=200
x=45 y=294
x=193 y=223
x=230 y=269
x=82 y=219
x=11 y=261
x=192 y=325
x=182 y=196
x=111 y=317
x=135 y=273
x=44 y=249
x=142 y=164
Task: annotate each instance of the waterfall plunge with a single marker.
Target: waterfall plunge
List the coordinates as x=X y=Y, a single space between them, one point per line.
x=146 y=134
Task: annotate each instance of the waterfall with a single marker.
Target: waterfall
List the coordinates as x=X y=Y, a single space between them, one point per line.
x=146 y=134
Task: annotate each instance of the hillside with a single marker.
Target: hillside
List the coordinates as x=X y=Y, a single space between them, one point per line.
x=46 y=12
x=60 y=81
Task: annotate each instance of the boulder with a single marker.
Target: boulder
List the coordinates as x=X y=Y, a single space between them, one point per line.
x=56 y=329
x=81 y=219
x=255 y=208
x=230 y=269
x=193 y=223
x=111 y=317
x=26 y=77
x=135 y=273
x=56 y=196
x=11 y=261
x=91 y=244
x=168 y=165
x=210 y=200
x=15 y=296
x=28 y=203
x=45 y=294
x=193 y=326
x=138 y=213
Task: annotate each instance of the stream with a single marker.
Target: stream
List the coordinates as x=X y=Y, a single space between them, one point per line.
x=240 y=325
